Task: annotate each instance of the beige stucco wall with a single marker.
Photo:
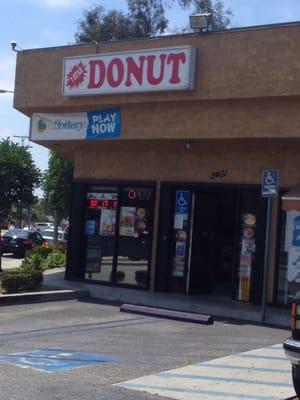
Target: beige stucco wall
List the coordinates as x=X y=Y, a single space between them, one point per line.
x=170 y=160
x=243 y=115
x=250 y=63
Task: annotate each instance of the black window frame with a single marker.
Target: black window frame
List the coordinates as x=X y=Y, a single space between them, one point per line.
x=76 y=245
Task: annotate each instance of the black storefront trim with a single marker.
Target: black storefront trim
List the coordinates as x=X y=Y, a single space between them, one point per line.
x=75 y=269
x=164 y=248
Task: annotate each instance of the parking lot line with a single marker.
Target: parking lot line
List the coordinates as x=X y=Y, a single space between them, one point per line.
x=259 y=374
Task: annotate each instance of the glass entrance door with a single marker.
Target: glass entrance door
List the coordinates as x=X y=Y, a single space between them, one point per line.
x=181 y=234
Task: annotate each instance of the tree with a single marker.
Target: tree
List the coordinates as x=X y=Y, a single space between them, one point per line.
x=57 y=186
x=99 y=26
x=18 y=177
x=221 y=16
x=145 y=18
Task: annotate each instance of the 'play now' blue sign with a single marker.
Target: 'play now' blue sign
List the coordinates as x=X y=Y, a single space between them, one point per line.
x=53 y=360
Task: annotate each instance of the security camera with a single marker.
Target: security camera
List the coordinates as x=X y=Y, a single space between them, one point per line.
x=13 y=44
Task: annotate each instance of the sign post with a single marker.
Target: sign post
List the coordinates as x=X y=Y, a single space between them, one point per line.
x=269 y=189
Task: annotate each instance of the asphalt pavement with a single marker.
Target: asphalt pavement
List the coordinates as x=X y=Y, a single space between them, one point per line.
x=134 y=346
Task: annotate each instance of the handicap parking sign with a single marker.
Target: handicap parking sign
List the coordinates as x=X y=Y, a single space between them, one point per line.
x=269 y=184
x=53 y=360
x=182 y=202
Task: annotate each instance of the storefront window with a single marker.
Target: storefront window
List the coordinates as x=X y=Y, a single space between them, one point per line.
x=134 y=244
x=118 y=230
x=100 y=231
x=289 y=262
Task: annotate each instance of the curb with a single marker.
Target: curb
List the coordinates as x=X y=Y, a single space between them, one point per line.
x=167 y=313
x=39 y=297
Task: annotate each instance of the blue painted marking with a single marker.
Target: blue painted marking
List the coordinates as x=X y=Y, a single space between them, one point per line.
x=238 y=367
x=196 y=391
x=219 y=379
x=52 y=360
x=244 y=355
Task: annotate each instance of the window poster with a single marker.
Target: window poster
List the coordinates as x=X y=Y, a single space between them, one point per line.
x=127 y=221
x=247 y=255
x=107 y=222
x=180 y=225
x=90 y=226
x=292 y=249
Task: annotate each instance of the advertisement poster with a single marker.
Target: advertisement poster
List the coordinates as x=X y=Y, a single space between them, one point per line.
x=140 y=221
x=292 y=249
x=127 y=221
x=247 y=255
x=107 y=222
x=180 y=225
x=90 y=226
x=93 y=125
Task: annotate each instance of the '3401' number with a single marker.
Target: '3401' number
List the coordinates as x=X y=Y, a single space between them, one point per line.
x=219 y=174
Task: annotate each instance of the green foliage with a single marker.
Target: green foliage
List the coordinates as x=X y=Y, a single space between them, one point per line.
x=144 y=18
x=17 y=280
x=148 y=17
x=41 y=251
x=38 y=212
x=57 y=185
x=56 y=259
x=99 y=25
x=33 y=261
x=18 y=176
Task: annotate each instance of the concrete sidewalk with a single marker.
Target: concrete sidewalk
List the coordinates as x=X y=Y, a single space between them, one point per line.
x=221 y=308
x=56 y=288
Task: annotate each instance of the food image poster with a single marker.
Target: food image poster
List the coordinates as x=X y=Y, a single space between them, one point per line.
x=107 y=222
x=127 y=221
x=140 y=220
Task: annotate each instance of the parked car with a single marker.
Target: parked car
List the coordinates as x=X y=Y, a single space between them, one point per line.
x=292 y=346
x=44 y=225
x=29 y=228
x=48 y=236
x=18 y=241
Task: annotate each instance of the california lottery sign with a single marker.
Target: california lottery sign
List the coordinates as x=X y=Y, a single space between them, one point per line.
x=93 y=125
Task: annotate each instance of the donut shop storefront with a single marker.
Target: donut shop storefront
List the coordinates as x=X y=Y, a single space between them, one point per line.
x=169 y=137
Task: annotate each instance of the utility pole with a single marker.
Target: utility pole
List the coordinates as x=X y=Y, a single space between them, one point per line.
x=22 y=137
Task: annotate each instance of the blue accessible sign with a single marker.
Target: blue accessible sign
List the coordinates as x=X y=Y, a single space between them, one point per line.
x=53 y=360
x=182 y=202
x=269 y=184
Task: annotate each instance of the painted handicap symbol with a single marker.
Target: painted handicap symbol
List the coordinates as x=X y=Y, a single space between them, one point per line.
x=53 y=360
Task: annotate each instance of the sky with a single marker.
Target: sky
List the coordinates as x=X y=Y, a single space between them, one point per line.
x=45 y=23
